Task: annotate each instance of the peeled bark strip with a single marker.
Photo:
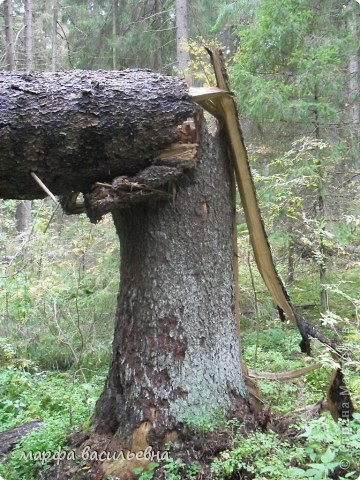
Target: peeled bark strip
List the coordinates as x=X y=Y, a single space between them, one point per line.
x=224 y=107
x=283 y=376
x=338 y=397
x=176 y=350
x=73 y=129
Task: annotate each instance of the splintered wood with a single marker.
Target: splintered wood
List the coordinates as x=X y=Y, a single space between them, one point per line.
x=184 y=151
x=155 y=182
x=219 y=101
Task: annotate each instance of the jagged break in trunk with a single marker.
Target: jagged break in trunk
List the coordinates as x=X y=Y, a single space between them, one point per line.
x=125 y=140
x=176 y=351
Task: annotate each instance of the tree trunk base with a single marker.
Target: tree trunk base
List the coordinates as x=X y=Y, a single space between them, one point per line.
x=176 y=352
x=197 y=445
x=103 y=455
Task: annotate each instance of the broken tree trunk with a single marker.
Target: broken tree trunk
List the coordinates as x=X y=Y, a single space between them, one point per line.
x=73 y=129
x=176 y=352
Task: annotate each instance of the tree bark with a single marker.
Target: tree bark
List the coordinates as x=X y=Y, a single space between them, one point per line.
x=73 y=129
x=28 y=36
x=176 y=350
x=182 y=53
x=9 y=36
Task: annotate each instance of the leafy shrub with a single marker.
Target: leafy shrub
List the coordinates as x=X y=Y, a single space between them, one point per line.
x=7 y=352
x=325 y=447
x=58 y=292
x=258 y=456
x=331 y=446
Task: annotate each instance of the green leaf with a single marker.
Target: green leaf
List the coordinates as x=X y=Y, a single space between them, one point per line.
x=299 y=472
x=138 y=470
x=328 y=456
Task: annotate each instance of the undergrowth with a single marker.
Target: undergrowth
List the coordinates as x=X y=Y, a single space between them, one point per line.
x=58 y=290
x=325 y=448
x=60 y=400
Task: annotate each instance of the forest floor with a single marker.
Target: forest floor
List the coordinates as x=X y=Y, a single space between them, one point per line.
x=57 y=302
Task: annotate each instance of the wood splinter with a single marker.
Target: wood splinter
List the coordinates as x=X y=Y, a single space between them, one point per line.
x=44 y=187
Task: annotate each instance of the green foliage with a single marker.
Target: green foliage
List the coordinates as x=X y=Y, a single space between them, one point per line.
x=257 y=456
x=203 y=424
x=173 y=469
x=331 y=445
x=200 y=67
x=25 y=396
x=288 y=192
x=280 y=355
x=323 y=447
x=193 y=470
x=61 y=400
x=7 y=353
x=50 y=437
x=283 y=59
x=58 y=291
x=276 y=349
x=146 y=473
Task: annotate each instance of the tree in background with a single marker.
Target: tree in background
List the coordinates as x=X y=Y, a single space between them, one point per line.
x=104 y=34
x=28 y=22
x=289 y=72
x=290 y=63
x=23 y=210
x=124 y=34
x=182 y=35
x=54 y=34
x=9 y=36
x=354 y=102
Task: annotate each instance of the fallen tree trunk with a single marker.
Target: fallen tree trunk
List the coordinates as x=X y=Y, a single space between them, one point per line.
x=10 y=438
x=73 y=129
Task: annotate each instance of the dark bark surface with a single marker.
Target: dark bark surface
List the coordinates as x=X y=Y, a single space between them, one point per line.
x=76 y=128
x=176 y=351
x=10 y=438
